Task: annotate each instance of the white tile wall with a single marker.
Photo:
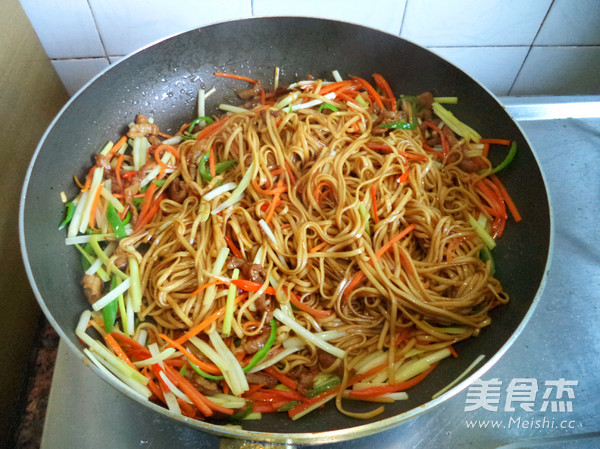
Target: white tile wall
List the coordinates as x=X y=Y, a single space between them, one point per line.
x=74 y=73
x=66 y=28
x=571 y=22
x=514 y=47
x=126 y=26
x=385 y=15
x=494 y=67
x=574 y=71
x=444 y=23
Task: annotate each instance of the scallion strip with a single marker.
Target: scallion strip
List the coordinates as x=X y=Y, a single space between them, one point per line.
x=228 y=315
x=69 y=212
x=508 y=159
x=261 y=354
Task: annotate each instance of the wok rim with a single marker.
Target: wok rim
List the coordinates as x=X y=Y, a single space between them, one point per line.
x=307 y=438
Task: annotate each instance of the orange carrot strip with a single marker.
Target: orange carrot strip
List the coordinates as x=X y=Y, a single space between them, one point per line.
x=317 y=313
x=207 y=322
x=509 y=202
x=453 y=351
x=212 y=128
x=392 y=388
x=118 y=171
x=116 y=147
x=385 y=87
x=208 y=367
x=235 y=77
x=317 y=248
x=282 y=378
x=131 y=343
x=374 y=203
x=212 y=162
x=142 y=221
x=372 y=92
x=205 y=286
x=92 y=220
x=389 y=244
x=118 y=350
x=234 y=249
x=496 y=141
x=338 y=85
x=275 y=201
x=184 y=385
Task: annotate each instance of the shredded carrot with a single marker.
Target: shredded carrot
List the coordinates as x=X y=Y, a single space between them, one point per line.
x=259 y=189
x=188 y=389
x=116 y=147
x=212 y=162
x=142 y=221
x=385 y=87
x=317 y=313
x=212 y=128
x=110 y=341
x=236 y=77
x=92 y=220
x=207 y=322
x=318 y=247
x=391 y=242
x=118 y=171
x=445 y=143
x=496 y=142
x=453 y=351
x=374 y=203
x=372 y=92
x=338 y=85
x=205 y=286
x=405 y=261
x=234 y=249
x=208 y=367
x=275 y=201
x=391 y=388
x=282 y=378
x=131 y=344
x=251 y=286
x=88 y=179
x=509 y=202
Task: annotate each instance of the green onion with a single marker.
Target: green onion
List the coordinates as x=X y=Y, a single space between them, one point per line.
x=264 y=350
x=482 y=233
x=290 y=405
x=70 y=211
x=508 y=159
x=203 y=168
x=222 y=167
x=362 y=210
x=228 y=315
x=198 y=120
x=109 y=313
x=182 y=370
x=203 y=373
x=399 y=125
x=334 y=381
x=243 y=412
x=115 y=222
x=485 y=254
x=328 y=106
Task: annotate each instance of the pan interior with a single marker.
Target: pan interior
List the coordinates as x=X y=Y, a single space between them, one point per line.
x=163 y=80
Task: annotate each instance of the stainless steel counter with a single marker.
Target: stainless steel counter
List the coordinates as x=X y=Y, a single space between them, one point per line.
x=544 y=392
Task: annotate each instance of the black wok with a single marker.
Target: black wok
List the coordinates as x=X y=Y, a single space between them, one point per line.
x=162 y=81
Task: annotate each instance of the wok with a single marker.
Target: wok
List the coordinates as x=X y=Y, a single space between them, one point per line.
x=162 y=81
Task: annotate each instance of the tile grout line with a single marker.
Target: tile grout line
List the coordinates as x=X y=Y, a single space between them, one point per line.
x=403 y=18
x=512 y=86
x=99 y=33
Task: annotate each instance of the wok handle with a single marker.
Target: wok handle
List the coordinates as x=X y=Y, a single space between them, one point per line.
x=230 y=443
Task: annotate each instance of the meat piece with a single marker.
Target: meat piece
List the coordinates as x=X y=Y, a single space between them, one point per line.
x=177 y=190
x=265 y=305
x=262 y=378
x=154 y=140
x=92 y=287
x=204 y=386
x=425 y=102
x=253 y=91
x=251 y=271
x=142 y=127
x=326 y=360
x=252 y=345
x=304 y=377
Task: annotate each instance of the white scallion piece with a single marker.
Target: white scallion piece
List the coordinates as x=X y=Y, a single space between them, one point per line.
x=201 y=103
x=157 y=358
x=228 y=315
x=219 y=190
x=115 y=202
x=311 y=103
x=152 y=174
x=84 y=320
x=111 y=295
x=136 y=286
x=275 y=359
x=107 y=148
x=482 y=233
x=233 y=109
x=172 y=140
x=176 y=391
x=210 y=292
x=337 y=76
x=276 y=80
x=132 y=387
x=95 y=185
x=130 y=315
x=143 y=336
x=461 y=376
x=307 y=335
x=98 y=262
x=236 y=195
x=265 y=227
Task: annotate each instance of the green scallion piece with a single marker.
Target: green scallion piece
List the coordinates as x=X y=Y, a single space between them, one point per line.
x=115 y=222
x=208 y=121
x=264 y=350
x=328 y=106
x=109 y=312
x=508 y=159
x=399 y=125
x=69 y=212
